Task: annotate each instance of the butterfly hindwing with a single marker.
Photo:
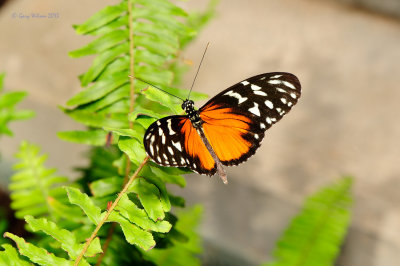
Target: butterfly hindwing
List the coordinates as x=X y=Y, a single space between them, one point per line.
x=236 y=119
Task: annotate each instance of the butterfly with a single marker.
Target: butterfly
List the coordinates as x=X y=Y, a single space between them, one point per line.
x=225 y=131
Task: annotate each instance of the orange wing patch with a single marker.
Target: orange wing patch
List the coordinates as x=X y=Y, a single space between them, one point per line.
x=224 y=130
x=195 y=147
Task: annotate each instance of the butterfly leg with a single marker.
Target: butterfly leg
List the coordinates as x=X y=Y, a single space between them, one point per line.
x=220 y=169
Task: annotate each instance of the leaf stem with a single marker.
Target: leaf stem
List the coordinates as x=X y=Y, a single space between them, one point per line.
x=115 y=203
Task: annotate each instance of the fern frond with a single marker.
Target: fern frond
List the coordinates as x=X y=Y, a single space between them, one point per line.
x=181 y=253
x=8 y=111
x=315 y=235
x=9 y=256
x=34 y=188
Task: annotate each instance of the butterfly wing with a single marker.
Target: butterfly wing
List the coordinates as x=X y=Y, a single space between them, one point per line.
x=236 y=119
x=173 y=141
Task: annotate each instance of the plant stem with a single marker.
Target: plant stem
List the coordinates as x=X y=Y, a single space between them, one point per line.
x=100 y=224
x=131 y=61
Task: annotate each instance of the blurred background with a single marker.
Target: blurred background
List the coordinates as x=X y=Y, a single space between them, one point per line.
x=346 y=54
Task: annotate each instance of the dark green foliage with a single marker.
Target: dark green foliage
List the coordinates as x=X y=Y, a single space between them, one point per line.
x=142 y=39
x=315 y=235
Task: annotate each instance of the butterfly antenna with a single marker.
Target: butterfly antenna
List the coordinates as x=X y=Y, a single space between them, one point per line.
x=198 y=69
x=157 y=88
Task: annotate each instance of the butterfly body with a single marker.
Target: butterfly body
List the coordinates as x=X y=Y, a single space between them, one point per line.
x=227 y=130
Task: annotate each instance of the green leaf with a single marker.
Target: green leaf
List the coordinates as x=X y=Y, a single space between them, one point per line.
x=12 y=98
x=98 y=90
x=106 y=186
x=99 y=119
x=139 y=217
x=9 y=256
x=315 y=235
x=133 y=148
x=105 y=42
x=94 y=248
x=149 y=196
x=111 y=98
x=102 y=60
x=133 y=234
x=101 y=18
x=142 y=111
x=168 y=176
x=181 y=253
x=39 y=255
x=91 y=137
x=65 y=237
x=76 y=197
x=156 y=181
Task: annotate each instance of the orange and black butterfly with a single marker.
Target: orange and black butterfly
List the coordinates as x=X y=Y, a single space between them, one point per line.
x=227 y=130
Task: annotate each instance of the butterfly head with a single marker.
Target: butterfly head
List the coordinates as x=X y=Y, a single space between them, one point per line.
x=188 y=106
x=193 y=114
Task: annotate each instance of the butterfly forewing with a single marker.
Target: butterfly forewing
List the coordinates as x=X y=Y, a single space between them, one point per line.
x=236 y=119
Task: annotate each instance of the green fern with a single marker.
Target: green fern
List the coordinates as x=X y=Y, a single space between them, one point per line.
x=182 y=252
x=8 y=112
x=34 y=188
x=138 y=38
x=315 y=235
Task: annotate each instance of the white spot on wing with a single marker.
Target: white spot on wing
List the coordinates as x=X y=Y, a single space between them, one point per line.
x=283 y=100
x=160 y=132
x=262 y=125
x=290 y=85
x=171 y=132
x=171 y=151
x=293 y=95
x=165 y=156
x=151 y=150
x=255 y=87
x=255 y=110
x=269 y=104
x=237 y=96
x=256 y=136
x=261 y=93
x=245 y=83
x=268 y=120
x=290 y=104
x=177 y=145
x=281 y=90
x=274 y=81
x=182 y=160
x=158 y=123
x=163 y=139
x=276 y=76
